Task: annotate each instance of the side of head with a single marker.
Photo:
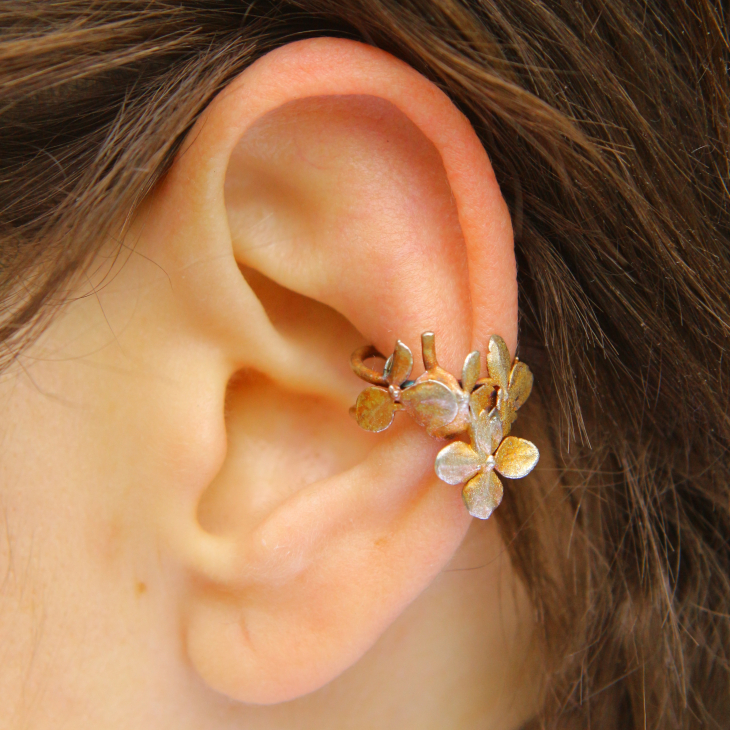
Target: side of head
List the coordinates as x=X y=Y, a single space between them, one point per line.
x=194 y=522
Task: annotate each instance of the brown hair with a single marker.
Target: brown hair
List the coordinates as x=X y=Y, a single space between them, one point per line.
x=607 y=125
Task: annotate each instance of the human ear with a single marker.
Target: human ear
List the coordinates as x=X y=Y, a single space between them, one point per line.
x=329 y=196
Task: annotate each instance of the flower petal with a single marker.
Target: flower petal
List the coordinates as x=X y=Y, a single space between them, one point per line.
x=507 y=412
x=457 y=462
x=470 y=372
x=483 y=494
x=430 y=404
x=520 y=384
x=374 y=409
x=488 y=431
x=399 y=364
x=498 y=361
x=516 y=457
x=483 y=398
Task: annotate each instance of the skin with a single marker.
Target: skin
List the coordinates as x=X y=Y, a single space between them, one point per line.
x=196 y=533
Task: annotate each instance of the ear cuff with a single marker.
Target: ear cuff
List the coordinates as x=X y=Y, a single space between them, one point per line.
x=481 y=408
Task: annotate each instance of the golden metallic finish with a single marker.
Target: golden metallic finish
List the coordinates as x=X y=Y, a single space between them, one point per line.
x=516 y=458
x=483 y=494
x=363 y=371
x=481 y=408
x=399 y=365
x=374 y=409
x=471 y=370
x=431 y=404
x=457 y=463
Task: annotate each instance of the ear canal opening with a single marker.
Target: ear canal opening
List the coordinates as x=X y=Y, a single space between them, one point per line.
x=279 y=441
x=285 y=433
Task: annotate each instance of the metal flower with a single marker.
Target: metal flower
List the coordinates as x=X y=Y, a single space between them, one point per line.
x=513 y=387
x=376 y=406
x=437 y=401
x=482 y=408
x=512 y=457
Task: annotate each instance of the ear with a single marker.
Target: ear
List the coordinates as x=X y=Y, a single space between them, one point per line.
x=329 y=197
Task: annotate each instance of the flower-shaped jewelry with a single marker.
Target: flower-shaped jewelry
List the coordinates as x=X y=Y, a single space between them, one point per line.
x=513 y=386
x=436 y=400
x=376 y=406
x=512 y=457
x=484 y=409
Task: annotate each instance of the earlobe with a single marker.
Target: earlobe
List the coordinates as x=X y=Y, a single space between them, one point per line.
x=358 y=203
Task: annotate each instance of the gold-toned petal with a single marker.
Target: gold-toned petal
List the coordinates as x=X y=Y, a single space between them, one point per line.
x=483 y=494
x=470 y=372
x=399 y=364
x=374 y=409
x=457 y=462
x=507 y=411
x=488 y=431
x=430 y=404
x=498 y=361
x=520 y=384
x=516 y=457
x=510 y=417
x=483 y=398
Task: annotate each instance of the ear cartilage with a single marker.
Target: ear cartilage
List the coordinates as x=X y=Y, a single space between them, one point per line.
x=482 y=408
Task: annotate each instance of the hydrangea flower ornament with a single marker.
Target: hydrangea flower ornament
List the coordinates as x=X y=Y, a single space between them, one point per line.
x=482 y=409
x=476 y=464
x=376 y=406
